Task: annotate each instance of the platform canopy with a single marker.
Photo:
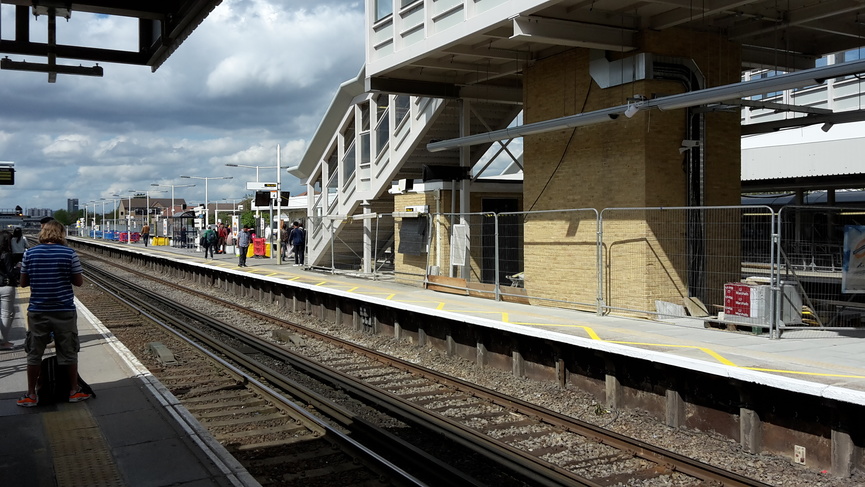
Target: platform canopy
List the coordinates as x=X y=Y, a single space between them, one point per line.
x=162 y=26
x=471 y=51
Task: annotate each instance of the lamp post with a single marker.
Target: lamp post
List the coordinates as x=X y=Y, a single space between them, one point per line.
x=93 y=226
x=116 y=198
x=278 y=168
x=103 y=217
x=206 y=179
x=129 y=219
x=172 y=186
x=257 y=212
x=147 y=192
x=251 y=167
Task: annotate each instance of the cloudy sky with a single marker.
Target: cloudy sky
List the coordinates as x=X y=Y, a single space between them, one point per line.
x=254 y=75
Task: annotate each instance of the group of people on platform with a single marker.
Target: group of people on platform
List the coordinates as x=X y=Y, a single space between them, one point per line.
x=213 y=241
x=50 y=269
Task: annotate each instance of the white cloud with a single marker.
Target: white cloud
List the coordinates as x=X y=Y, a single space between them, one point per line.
x=67 y=145
x=255 y=74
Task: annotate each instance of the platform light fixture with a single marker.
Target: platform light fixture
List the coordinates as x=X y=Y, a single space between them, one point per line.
x=807 y=77
x=206 y=180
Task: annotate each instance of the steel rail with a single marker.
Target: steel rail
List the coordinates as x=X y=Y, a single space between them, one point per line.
x=638 y=448
x=525 y=465
x=385 y=467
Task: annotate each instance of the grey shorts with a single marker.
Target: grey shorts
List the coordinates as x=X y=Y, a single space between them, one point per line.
x=64 y=325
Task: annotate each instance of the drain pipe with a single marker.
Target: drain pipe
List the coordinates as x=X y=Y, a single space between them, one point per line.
x=690 y=77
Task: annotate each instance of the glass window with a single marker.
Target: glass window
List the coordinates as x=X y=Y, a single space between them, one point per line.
x=348 y=135
x=332 y=162
x=349 y=163
x=364 y=116
x=364 y=149
x=383 y=8
x=382 y=132
x=401 y=107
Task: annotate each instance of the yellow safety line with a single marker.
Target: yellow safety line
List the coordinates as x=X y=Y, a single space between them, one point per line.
x=589 y=331
x=758 y=369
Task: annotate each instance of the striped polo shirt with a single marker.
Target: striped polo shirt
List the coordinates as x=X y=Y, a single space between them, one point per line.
x=50 y=268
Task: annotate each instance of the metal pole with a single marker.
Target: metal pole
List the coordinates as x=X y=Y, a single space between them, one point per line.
x=278 y=208
x=206 y=204
x=103 y=218
x=129 y=221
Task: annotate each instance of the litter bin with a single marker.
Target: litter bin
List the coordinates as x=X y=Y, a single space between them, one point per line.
x=258 y=247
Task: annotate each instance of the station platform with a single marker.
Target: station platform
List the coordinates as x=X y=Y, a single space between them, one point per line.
x=818 y=362
x=133 y=433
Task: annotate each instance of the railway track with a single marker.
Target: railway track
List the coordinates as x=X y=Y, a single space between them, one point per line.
x=537 y=446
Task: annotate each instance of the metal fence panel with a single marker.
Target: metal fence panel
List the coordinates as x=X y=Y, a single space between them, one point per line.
x=810 y=264
x=543 y=257
x=674 y=262
x=715 y=266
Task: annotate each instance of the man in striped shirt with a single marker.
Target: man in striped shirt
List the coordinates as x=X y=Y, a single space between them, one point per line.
x=51 y=269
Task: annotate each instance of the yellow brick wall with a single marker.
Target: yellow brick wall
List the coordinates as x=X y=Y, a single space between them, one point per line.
x=440 y=242
x=622 y=163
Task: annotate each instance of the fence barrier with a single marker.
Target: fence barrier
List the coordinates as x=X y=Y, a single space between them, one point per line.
x=744 y=268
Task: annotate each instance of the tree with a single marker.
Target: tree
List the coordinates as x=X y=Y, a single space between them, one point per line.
x=64 y=217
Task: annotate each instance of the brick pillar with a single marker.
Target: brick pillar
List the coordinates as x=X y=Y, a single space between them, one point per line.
x=627 y=162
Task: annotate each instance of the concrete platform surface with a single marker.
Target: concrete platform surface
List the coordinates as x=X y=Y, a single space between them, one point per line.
x=820 y=362
x=133 y=433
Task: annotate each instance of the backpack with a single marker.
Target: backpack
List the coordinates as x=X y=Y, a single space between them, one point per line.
x=208 y=238
x=54 y=382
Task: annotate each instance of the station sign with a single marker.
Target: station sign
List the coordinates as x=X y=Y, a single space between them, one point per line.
x=256 y=186
x=7 y=176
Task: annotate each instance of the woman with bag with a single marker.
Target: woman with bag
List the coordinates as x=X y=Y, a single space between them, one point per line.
x=19 y=245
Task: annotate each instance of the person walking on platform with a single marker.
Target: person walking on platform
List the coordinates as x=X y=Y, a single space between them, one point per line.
x=8 y=281
x=51 y=269
x=19 y=245
x=283 y=239
x=243 y=240
x=209 y=241
x=145 y=233
x=297 y=239
x=222 y=233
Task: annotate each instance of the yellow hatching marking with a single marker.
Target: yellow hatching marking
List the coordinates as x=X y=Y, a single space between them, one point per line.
x=707 y=351
x=758 y=369
x=589 y=331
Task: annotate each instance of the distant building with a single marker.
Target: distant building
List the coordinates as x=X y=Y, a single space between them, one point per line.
x=39 y=212
x=72 y=205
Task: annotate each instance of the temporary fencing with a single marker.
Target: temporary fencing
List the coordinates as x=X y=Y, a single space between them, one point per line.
x=743 y=268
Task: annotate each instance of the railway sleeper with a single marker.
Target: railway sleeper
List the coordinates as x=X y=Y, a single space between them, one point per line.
x=240 y=421
x=252 y=401
x=238 y=411
x=269 y=431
